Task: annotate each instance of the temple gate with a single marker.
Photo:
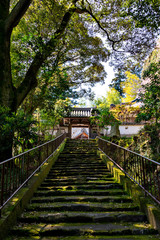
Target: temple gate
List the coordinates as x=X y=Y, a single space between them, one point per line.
x=78 y=118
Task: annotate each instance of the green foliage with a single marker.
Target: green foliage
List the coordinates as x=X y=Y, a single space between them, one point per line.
x=51 y=116
x=123 y=141
x=150 y=94
x=116 y=83
x=104 y=117
x=25 y=131
x=131 y=86
x=76 y=53
x=127 y=80
x=144 y=12
x=147 y=142
x=45 y=96
x=112 y=97
x=18 y=127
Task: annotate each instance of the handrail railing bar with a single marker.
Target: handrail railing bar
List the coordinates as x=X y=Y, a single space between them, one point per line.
x=129 y=150
x=9 y=159
x=156 y=200
x=26 y=180
x=153 y=180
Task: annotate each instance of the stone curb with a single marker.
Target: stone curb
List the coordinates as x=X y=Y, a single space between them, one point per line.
x=146 y=205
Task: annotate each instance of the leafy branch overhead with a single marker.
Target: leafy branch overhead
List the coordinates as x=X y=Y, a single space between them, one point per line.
x=94 y=16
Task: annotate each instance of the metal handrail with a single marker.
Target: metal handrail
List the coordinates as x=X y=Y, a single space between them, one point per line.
x=39 y=146
x=16 y=171
x=142 y=170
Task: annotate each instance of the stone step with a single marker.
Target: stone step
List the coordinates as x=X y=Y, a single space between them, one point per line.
x=81 y=217
x=77 y=155
x=74 y=170
x=111 y=192
x=81 y=142
x=84 y=207
x=50 y=183
x=81 y=167
x=70 y=168
x=126 y=237
x=77 y=174
x=82 y=187
x=90 y=157
x=103 y=175
x=80 y=146
x=87 y=153
x=77 y=177
x=84 y=199
x=69 y=182
x=81 y=149
x=75 y=164
x=59 y=230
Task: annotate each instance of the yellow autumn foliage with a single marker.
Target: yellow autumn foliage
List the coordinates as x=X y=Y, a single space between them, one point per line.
x=131 y=86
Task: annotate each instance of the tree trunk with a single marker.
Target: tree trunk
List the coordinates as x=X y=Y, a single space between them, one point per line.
x=6 y=147
x=10 y=96
x=7 y=92
x=115 y=132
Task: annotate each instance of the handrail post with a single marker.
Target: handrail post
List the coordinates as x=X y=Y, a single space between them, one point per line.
x=2 y=184
x=143 y=171
x=158 y=184
x=124 y=163
x=47 y=150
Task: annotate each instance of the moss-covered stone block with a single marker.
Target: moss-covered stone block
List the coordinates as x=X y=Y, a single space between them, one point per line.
x=145 y=203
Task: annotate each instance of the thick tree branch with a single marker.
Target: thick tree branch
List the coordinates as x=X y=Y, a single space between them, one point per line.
x=30 y=80
x=16 y=14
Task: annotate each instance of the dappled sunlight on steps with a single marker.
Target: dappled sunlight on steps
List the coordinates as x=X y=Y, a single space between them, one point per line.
x=80 y=199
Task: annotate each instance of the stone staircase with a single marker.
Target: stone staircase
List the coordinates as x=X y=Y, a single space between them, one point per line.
x=80 y=199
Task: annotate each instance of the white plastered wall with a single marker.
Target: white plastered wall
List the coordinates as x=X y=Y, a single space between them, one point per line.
x=125 y=130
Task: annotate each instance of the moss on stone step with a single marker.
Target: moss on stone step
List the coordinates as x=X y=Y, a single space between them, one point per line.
x=81 y=229
x=100 y=199
x=82 y=217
